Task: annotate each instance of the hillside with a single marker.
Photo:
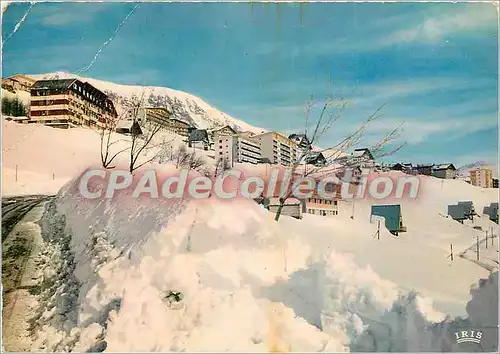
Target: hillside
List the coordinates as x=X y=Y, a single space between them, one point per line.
x=184 y=106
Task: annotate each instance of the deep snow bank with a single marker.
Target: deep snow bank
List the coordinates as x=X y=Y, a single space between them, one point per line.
x=247 y=283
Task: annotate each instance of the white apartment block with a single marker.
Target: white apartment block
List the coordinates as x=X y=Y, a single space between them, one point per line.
x=481 y=177
x=236 y=148
x=277 y=148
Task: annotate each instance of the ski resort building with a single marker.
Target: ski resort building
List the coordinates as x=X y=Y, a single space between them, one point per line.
x=392 y=216
x=445 y=171
x=292 y=207
x=277 y=148
x=321 y=206
x=301 y=140
x=198 y=138
x=163 y=117
x=481 y=177
x=236 y=148
x=424 y=169
x=225 y=130
x=69 y=103
x=18 y=82
x=492 y=212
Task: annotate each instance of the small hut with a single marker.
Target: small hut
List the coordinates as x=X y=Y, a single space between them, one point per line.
x=492 y=212
x=392 y=216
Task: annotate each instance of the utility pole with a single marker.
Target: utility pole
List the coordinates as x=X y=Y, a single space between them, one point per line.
x=451 y=252
x=486 y=239
x=16 y=173
x=378 y=230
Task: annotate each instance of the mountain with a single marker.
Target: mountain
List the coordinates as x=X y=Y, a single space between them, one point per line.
x=184 y=106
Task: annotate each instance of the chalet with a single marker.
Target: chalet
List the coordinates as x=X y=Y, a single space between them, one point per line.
x=363 y=158
x=392 y=216
x=403 y=167
x=301 y=140
x=424 y=169
x=445 y=171
x=69 y=103
x=199 y=138
x=315 y=158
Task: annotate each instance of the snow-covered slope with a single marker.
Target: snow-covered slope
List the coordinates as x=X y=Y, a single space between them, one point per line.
x=185 y=106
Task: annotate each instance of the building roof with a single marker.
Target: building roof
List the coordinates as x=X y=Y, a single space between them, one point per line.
x=424 y=166
x=313 y=156
x=53 y=84
x=180 y=121
x=224 y=127
x=444 y=166
x=198 y=135
x=361 y=152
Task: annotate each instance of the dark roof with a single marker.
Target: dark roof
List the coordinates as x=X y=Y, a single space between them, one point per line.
x=198 y=135
x=53 y=84
x=424 y=166
x=365 y=150
x=445 y=166
x=314 y=156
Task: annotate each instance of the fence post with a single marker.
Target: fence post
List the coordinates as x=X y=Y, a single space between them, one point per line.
x=53 y=176
x=477 y=247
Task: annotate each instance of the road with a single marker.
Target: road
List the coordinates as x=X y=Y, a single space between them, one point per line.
x=14 y=209
x=20 y=245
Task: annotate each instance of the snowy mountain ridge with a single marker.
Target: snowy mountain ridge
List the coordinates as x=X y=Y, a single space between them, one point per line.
x=184 y=106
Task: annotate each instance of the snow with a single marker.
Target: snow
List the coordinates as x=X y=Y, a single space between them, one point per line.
x=185 y=105
x=23 y=96
x=249 y=283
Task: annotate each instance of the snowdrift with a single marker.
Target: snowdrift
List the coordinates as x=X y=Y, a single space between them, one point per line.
x=247 y=284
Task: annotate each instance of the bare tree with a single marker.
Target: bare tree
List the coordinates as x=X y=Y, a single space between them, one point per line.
x=180 y=156
x=143 y=131
x=330 y=111
x=222 y=166
x=107 y=131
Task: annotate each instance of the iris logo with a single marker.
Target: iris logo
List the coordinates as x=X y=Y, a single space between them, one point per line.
x=468 y=336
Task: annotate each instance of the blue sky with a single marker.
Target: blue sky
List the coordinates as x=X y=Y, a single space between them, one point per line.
x=433 y=65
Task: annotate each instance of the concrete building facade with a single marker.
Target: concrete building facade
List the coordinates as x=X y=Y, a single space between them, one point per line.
x=69 y=103
x=277 y=148
x=481 y=177
x=236 y=148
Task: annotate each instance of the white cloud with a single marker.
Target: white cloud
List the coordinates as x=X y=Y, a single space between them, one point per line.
x=449 y=128
x=473 y=18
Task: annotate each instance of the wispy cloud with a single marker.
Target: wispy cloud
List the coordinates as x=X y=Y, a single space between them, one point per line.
x=56 y=17
x=437 y=28
x=415 y=131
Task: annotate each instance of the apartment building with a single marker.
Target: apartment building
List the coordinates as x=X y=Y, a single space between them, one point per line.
x=277 y=148
x=319 y=205
x=69 y=103
x=236 y=148
x=163 y=117
x=481 y=177
x=18 y=82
